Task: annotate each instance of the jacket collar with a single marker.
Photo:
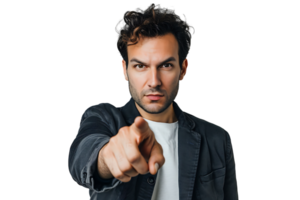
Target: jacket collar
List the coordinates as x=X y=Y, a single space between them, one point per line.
x=130 y=112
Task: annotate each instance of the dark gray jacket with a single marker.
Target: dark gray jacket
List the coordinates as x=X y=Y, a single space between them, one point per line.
x=205 y=157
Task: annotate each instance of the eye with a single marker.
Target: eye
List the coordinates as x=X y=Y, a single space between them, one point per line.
x=137 y=66
x=168 y=64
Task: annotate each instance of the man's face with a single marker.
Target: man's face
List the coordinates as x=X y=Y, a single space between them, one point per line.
x=153 y=68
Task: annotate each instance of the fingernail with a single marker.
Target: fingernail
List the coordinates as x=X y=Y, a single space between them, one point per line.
x=156 y=166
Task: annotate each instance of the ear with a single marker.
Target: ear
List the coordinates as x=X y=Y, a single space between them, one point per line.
x=124 y=69
x=183 y=70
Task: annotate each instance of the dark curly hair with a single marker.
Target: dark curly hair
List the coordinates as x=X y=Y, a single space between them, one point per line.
x=151 y=23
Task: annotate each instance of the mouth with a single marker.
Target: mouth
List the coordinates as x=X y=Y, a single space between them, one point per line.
x=154 y=96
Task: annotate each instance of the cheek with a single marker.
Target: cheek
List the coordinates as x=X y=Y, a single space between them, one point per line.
x=174 y=85
x=136 y=82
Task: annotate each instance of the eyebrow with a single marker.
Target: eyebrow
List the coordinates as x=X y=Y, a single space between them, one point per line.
x=167 y=60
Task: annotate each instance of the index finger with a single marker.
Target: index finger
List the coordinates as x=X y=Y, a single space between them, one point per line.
x=135 y=157
x=141 y=128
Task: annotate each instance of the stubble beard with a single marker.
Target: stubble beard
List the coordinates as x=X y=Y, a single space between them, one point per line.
x=157 y=109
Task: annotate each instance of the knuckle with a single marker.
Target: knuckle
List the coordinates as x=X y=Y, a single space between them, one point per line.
x=119 y=175
x=134 y=158
x=123 y=131
x=125 y=168
x=135 y=174
x=112 y=140
x=122 y=177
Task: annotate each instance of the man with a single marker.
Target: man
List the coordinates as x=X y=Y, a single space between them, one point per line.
x=150 y=148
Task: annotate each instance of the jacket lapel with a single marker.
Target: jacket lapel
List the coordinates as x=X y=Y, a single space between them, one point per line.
x=188 y=153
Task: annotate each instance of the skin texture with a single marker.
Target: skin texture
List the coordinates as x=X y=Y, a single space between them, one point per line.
x=151 y=76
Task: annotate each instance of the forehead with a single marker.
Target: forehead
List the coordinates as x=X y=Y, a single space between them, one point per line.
x=151 y=48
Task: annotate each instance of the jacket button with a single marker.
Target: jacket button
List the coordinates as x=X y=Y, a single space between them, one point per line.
x=84 y=177
x=150 y=180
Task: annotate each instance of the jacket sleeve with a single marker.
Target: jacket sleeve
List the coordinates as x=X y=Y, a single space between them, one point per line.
x=230 y=185
x=93 y=134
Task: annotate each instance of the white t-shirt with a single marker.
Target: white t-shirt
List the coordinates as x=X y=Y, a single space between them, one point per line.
x=166 y=186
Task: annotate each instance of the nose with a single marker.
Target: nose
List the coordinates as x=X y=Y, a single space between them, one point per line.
x=154 y=78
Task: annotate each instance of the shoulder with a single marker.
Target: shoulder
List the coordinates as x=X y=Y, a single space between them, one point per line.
x=207 y=128
x=104 y=111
